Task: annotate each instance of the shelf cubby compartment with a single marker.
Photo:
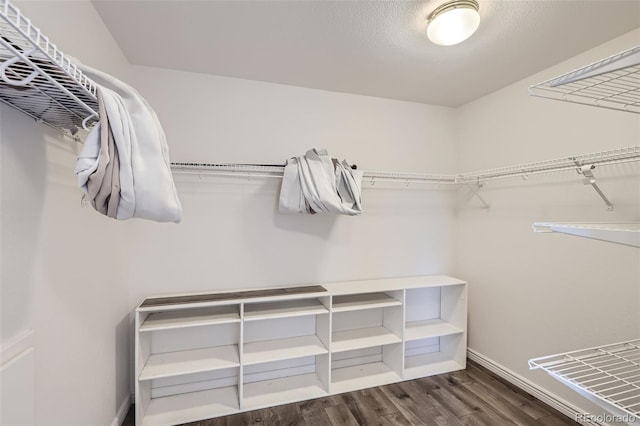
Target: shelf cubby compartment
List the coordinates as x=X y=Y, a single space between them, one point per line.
x=191 y=406
x=434 y=355
x=281 y=349
x=435 y=330
x=380 y=323
x=355 y=302
x=363 y=368
x=275 y=338
x=281 y=382
x=285 y=360
x=190 y=361
x=181 y=318
x=289 y=308
x=187 y=364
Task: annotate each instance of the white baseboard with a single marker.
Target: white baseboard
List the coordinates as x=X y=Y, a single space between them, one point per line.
x=542 y=394
x=122 y=411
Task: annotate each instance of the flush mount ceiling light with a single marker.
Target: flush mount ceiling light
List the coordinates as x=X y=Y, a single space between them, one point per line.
x=453 y=22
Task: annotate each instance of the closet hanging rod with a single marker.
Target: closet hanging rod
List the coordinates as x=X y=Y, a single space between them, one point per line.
x=614 y=156
x=276 y=171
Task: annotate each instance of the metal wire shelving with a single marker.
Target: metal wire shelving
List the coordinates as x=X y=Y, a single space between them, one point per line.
x=276 y=171
x=608 y=374
x=612 y=83
x=38 y=79
x=608 y=157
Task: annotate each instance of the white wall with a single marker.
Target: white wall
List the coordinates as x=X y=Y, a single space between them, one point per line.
x=232 y=236
x=539 y=294
x=61 y=272
x=74 y=276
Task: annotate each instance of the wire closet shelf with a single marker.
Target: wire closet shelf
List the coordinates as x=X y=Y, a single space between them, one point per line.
x=276 y=171
x=38 y=79
x=612 y=83
x=609 y=157
x=610 y=374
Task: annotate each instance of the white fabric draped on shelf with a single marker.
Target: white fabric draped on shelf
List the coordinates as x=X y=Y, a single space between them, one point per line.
x=143 y=185
x=315 y=183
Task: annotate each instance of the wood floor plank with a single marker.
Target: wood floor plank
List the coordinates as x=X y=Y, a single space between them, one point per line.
x=500 y=404
x=403 y=402
x=479 y=408
x=481 y=418
x=314 y=413
x=290 y=415
x=220 y=421
x=266 y=416
x=527 y=403
x=431 y=408
x=340 y=415
x=445 y=398
x=555 y=421
x=241 y=419
x=396 y=419
x=362 y=412
x=533 y=407
x=375 y=398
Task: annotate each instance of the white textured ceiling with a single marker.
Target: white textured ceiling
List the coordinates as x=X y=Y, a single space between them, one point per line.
x=375 y=48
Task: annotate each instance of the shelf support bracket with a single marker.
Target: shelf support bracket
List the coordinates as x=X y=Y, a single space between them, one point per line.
x=474 y=189
x=586 y=170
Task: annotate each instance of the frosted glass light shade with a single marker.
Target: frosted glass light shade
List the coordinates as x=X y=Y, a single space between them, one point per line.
x=453 y=22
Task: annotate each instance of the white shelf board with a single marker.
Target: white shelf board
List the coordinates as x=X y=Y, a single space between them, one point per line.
x=290 y=308
x=192 y=361
x=356 y=302
x=193 y=406
x=428 y=365
x=390 y=284
x=280 y=391
x=362 y=338
x=361 y=377
x=280 y=349
x=621 y=233
x=190 y=318
x=430 y=328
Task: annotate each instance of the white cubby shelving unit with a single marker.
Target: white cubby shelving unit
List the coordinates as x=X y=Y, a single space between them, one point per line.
x=201 y=356
x=609 y=374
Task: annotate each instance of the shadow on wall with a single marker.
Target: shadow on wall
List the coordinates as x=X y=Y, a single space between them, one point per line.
x=23 y=171
x=122 y=358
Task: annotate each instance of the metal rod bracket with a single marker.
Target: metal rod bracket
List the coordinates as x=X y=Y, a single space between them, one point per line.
x=474 y=189
x=586 y=170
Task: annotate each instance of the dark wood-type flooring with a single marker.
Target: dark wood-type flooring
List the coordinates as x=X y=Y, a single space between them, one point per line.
x=463 y=398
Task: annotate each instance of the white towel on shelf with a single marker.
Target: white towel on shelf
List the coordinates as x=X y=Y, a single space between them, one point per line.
x=314 y=183
x=147 y=190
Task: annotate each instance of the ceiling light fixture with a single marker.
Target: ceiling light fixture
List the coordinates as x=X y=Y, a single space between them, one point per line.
x=453 y=22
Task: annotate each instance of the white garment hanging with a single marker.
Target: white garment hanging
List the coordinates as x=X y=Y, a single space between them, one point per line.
x=313 y=183
x=146 y=184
